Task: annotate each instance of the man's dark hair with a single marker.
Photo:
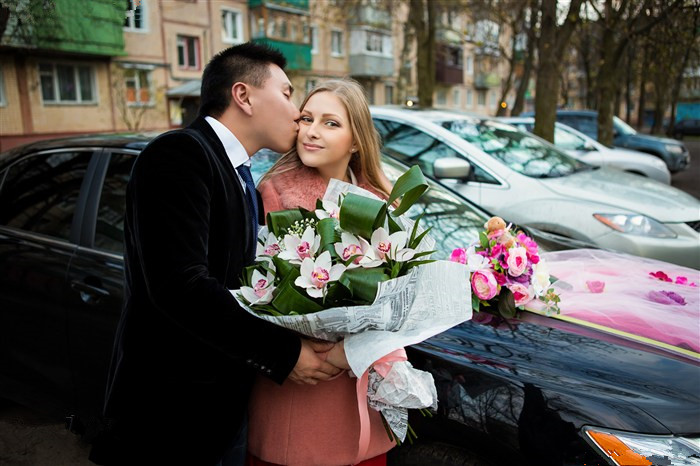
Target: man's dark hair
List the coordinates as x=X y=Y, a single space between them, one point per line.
x=247 y=63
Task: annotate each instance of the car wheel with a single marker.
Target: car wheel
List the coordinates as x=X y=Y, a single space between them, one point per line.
x=434 y=454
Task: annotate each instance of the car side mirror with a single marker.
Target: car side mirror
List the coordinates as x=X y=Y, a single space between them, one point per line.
x=452 y=167
x=588 y=146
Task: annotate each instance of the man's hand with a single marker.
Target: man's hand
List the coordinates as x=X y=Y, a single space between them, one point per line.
x=336 y=356
x=311 y=366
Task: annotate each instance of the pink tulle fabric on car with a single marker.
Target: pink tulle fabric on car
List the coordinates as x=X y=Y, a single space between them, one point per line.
x=628 y=293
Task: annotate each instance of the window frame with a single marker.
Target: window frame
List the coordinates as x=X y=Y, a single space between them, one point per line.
x=228 y=11
x=184 y=38
x=313 y=38
x=147 y=69
x=341 y=53
x=57 y=94
x=144 y=18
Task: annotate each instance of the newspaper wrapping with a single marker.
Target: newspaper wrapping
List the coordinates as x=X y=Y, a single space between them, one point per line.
x=430 y=299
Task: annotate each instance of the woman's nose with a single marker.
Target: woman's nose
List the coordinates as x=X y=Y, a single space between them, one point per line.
x=313 y=130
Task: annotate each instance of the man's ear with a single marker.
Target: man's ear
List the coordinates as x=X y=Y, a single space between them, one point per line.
x=240 y=97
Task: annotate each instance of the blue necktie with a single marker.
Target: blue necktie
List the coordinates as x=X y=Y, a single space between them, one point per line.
x=244 y=172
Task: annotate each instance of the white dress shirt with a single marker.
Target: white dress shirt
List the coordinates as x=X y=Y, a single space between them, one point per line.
x=233 y=147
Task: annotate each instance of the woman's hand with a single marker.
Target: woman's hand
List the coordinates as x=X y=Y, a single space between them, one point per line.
x=337 y=358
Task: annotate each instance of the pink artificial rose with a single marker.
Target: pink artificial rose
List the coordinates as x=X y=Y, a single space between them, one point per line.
x=661 y=276
x=528 y=243
x=484 y=284
x=521 y=293
x=459 y=255
x=517 y=261
x=595 y=286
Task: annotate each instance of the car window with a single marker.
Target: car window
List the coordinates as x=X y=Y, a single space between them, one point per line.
x=413 y=146
x=109 y=230
x=587 y=125
x=568 y=141
x=622 y=127
x=518 y=150
x=39 y=192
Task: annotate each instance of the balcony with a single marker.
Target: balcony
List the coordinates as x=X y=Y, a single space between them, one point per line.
x=366 y=15
x=486 y=80
x=283 y=24
x=448 y=64
x=371 y=52
x=75 y=26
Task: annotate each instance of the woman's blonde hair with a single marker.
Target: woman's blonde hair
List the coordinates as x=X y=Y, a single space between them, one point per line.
x=365 y=162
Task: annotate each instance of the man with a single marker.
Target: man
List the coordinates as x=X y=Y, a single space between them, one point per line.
x=185 y=353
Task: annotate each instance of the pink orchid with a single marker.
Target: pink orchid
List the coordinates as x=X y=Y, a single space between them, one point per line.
x=484 y=284
x=595 y=286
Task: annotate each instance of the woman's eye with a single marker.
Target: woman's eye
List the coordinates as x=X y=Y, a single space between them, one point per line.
x=332 y=123
x=305 y=119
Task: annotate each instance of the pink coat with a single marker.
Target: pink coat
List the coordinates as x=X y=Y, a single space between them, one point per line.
x=307 y=425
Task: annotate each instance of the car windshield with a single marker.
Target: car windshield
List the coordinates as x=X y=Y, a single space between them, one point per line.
x=622 y=127
x=567 y=140
x=520 y=151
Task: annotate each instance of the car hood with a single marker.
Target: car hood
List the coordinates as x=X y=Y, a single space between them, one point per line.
x=632 y=156
x=646 y=140
x=620 y=190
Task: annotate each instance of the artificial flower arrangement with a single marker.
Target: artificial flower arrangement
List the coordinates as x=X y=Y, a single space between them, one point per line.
x=506 y=271
x=356 y=264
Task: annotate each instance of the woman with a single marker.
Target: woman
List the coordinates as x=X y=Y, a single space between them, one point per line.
x=319 y=424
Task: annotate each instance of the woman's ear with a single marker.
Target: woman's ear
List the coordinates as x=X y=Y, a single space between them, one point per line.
x=240 y=97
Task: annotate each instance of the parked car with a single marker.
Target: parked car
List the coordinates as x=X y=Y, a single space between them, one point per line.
x=588 y=150
x=525 y=392
x=521 y=177
x=672 y=152
x=687 y=127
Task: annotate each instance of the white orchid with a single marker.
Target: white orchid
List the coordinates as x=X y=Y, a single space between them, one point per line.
x=540 y=278
x=266 y=251
x=350 y=246
x=330 y=210
x=317 y=274
x=261 y=291
x=297 y=249
x=476 y=261
x=386 y=246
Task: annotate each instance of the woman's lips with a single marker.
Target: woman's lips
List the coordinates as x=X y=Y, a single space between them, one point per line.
x=311 y=147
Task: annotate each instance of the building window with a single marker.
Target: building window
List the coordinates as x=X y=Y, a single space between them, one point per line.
x=136 y=19
x=470 y=98
x=470 y=65
x=388 y=94
x=188 y=52
x=454 y=57
x=456 y=97
x=481 y=98
x=441 y=97
x=231 y=26
x=3 y=102
x=310 y=84
x=314 y=39
x=337 y=43
x=138 y=87
x=374 y=42
x=72 y=84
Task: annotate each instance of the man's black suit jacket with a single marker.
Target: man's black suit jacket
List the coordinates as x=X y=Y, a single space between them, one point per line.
x=186 y=354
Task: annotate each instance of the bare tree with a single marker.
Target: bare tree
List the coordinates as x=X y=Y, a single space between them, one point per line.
x=529 y=58
x=132 y=109
x=552 y=45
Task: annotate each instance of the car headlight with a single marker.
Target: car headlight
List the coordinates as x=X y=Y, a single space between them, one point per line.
x=674 y=148
x=635 y=224
x=625 y=448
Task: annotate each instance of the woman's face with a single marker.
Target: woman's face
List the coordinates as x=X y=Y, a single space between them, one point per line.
x=325 y=139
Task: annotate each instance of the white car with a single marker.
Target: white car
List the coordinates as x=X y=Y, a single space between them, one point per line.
x=587 y=149
x=532 y=183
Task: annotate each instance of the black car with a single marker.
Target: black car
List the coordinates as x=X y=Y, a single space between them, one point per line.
x=510 y=392
x=672 y=152
x=687 y=127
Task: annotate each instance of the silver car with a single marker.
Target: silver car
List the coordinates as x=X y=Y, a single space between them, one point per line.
x=587 y=149
x=530 y=182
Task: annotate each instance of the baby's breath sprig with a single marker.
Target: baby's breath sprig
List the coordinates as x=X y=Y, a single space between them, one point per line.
x=298 y=227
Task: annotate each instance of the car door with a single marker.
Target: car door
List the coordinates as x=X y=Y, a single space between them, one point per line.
x=413 y=146
x=41 y=201
x=97 y=275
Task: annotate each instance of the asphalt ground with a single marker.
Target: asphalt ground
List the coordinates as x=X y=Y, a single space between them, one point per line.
x=32 y=439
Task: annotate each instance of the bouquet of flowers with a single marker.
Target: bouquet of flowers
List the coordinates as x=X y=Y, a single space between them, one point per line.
x=357 y=269
x=506 y=271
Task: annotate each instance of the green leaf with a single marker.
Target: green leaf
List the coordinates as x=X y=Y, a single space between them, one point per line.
x=414 y=244
x=414 y=230
x=475 y=302
x=409 y=187
x=278 y=222
x=417 y=263
x=361 y=215
x=484 y=240
x=291 y=300
x=326 y=229
x=363 y=283
x=506 y=303
x=284 y=268
x=393 y=226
